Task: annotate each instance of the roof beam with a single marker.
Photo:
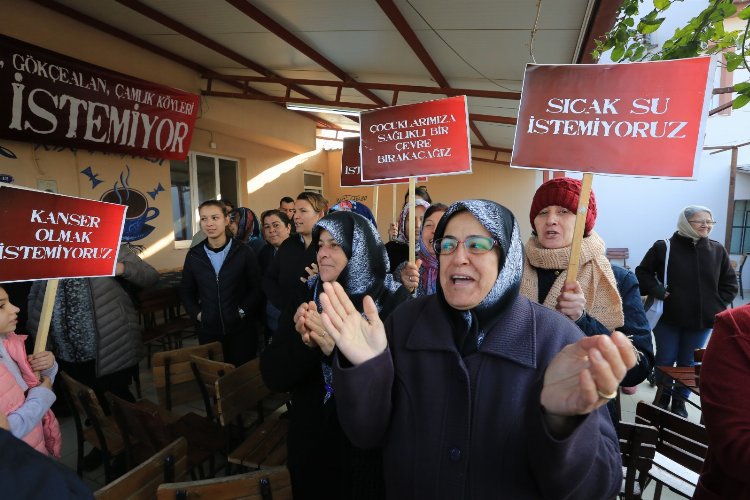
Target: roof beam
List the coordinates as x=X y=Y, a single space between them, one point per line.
x=506 y=120
x=277 y=29
x=127 y=37
x=180 y=28
x=393 y=87
x=399 y=21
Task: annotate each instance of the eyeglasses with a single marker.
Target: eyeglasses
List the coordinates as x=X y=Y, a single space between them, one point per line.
x=703 y=222
x=474 y=244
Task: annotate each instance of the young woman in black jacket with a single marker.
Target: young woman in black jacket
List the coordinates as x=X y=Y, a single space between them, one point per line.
x=221 y=286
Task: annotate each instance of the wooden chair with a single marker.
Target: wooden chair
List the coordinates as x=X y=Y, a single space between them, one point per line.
x=173 y=375
x=265 y=484
x=206 y=373
x=686 y=376
x=142 y=421
x=101 y=432
x=618 y=254
x=242 y=390
x=680 y=450
x=638 y=446
x=166 y=466
x=164 y=322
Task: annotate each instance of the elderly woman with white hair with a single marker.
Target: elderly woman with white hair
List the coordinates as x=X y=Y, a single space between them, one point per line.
x=701 y=283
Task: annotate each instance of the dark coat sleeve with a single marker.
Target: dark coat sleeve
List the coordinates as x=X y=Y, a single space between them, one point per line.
x=251 y=301
x=727 y=280
x=650 y=269
x=286 y=363
x=725 y=397
x=636 y=326
x=271 y=277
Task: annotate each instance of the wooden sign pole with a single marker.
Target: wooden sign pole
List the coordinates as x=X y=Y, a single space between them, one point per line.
x=375 y=202
x=583 y=208
x=394 y=220
x=412 y=218
x=40 y=344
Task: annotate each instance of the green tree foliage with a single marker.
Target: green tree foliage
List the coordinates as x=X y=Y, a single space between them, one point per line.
x=702 y=35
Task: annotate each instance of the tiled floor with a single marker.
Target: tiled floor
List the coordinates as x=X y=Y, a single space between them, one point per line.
x=95 y=479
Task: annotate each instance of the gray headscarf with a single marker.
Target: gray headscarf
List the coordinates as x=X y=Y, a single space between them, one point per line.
x=502 y=225
x=683 y=226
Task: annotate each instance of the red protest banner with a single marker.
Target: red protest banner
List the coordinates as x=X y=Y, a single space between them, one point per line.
x=351 y=175
x=46 y=235
x=428 y=138
x=53 y=99
x=614 y=118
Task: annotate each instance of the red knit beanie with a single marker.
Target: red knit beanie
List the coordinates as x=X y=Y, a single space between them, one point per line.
x=563 y=192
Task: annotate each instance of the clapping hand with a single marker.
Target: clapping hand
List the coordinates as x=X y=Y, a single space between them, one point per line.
x=358 y=338
x=308 y=323
x=312 y=270
x=586 y=375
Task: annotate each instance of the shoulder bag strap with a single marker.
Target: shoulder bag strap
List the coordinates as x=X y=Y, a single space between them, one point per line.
x=666 y=263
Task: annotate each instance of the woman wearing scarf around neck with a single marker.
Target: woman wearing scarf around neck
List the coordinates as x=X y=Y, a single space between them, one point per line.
x=700 y=284
x=475 y=391
x=322 y=462
x=603 y=298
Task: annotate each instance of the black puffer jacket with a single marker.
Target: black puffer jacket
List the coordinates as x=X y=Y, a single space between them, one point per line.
x=220 y=298
x=700 y=281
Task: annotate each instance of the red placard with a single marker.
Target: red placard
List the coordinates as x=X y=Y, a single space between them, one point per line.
x=428 y=138
x=614 y=118
x=50 y=98
x=46 y=235
x=351 y=171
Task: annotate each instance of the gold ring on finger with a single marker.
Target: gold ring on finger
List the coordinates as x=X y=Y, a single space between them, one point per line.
x=608 y=397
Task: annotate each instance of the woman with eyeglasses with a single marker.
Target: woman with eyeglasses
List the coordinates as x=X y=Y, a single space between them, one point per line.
x=475 y=391
x=604 y=298
x=701 y=283
x=322 y=462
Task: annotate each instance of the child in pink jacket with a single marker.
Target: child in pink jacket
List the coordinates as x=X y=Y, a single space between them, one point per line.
x=25 y=399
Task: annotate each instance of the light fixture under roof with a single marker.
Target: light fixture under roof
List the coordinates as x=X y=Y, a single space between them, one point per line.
x=322 y=109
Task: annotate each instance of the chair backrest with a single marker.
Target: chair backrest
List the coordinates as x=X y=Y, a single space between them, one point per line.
x=166 y=466
x=140 y=422
x=173 y=376
x=86 y=406
x=240 y=390
x=265 y=484
x=206 y=373
x=680 y=440
x=698 y=358
x=159 y=305
x=637 y=445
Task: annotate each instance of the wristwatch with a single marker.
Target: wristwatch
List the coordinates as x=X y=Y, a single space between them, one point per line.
x=242 y=313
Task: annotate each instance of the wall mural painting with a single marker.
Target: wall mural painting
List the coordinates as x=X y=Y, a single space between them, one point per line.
x=156 y=191
x=7 y=153
x=92 y=177
x=138 y=212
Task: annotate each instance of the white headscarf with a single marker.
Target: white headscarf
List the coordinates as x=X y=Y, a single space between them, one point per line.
x=683 y=226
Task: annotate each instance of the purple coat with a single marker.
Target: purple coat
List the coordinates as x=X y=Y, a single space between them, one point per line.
x=472 y=428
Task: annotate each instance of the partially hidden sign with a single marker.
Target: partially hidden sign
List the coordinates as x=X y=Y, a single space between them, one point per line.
x=50 y=98
x=643 y=119
x=46 y=235
x=428 y=138
x=351 y=171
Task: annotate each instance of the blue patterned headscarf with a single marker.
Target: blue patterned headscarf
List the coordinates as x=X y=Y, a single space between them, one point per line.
x=502 y=225
x=248 y=228
x=357 y=208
